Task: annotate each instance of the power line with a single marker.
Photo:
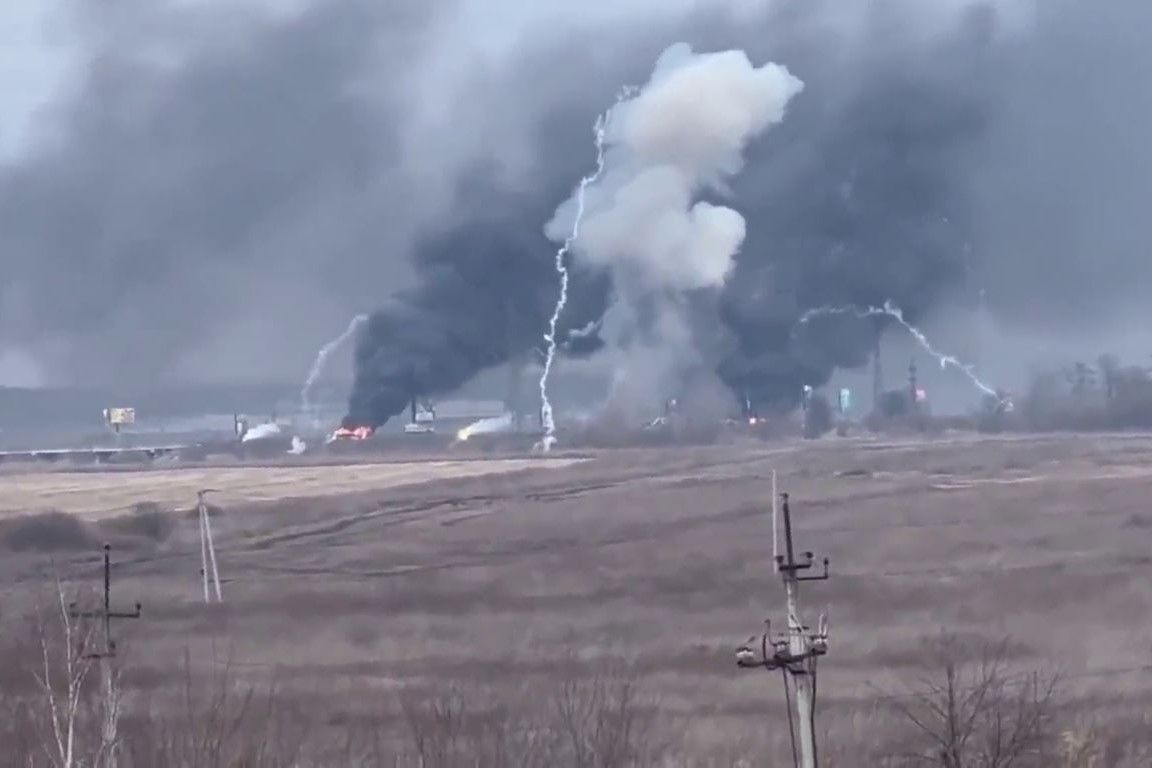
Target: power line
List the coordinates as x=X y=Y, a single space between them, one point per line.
x=796 y=652
x=107 y=654
x=106 y=614
x=207 y=547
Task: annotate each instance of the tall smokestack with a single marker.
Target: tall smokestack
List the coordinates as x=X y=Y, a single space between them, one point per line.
x=513 y=399
x=913 y=401
x=877 y=370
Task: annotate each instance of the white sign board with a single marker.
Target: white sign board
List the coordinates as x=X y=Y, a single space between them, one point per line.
x=120 y=416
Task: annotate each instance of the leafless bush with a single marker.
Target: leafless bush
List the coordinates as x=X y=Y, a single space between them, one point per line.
x=147 y=521
x=452 y=728
x=46 y=532
x=972 y=710
x=1108 y=742
x=58 y=705
x=602 y=721
x=217 y=722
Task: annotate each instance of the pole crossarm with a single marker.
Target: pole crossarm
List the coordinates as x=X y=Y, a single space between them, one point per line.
x=796 y=651
x=105 y=614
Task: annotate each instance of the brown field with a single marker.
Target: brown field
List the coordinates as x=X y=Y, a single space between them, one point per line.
x=366 y=580
x=98 y=495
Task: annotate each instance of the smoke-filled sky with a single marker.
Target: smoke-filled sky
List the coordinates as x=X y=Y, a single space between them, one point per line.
x=210 y=189
x=646 y=220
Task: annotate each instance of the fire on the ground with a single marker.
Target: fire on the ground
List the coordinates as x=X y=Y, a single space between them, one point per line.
x=353 y=433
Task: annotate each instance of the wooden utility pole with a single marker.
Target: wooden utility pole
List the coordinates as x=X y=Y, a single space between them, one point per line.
x=207 y=547
x=796 y=652
x=110 y=715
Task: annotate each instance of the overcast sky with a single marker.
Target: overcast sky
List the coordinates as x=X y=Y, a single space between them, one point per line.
x=210 y=189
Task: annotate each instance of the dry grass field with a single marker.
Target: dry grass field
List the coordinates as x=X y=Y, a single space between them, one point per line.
x=361 y=583
x=98 y=495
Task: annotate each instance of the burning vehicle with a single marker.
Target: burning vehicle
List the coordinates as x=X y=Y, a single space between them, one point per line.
x=352 y=433
x=423 y=422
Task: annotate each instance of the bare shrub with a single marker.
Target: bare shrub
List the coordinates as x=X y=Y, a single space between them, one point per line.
x=147 y=521
x=54 y=709
x=217 y=722
x=1107 y=742
x=972 y=710
x=452 y=728
x=600 y=721
x=46 y=532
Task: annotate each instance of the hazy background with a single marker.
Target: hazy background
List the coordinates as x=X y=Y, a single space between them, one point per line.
x=205 y=191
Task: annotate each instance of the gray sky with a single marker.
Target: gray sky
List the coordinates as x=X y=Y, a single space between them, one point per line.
x=206 y=189
x=32 y=69
x=210 y=189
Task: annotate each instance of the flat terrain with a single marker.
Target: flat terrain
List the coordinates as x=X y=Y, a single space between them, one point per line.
x=96 y=495
x=478 y=573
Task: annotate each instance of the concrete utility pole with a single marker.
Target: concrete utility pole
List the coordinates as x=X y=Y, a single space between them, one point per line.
x=110 y=715
x=207 y=547
x=795 y=653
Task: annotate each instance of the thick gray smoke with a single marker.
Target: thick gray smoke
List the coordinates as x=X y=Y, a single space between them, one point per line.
x=217 y=187
x=858 y=196
x=861 y=197
x=214 y=195
x=645 y=224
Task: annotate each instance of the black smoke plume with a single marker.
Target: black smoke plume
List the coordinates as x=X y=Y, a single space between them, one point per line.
x=485 y=290
x=858 y=199
x=855 y=199
x=217 y=188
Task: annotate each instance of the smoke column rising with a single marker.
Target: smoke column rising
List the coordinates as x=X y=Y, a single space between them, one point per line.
x=548 y=422
x=891 y=310
x=644 y=222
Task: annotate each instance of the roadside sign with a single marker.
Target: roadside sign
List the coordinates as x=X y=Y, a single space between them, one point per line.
x=120 y=416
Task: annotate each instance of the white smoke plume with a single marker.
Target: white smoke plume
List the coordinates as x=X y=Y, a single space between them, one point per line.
x=489 y=426
x=683 y=135
x=262 y=432
x=306 y=405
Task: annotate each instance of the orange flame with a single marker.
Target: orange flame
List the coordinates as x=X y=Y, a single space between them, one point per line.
x=353 y=433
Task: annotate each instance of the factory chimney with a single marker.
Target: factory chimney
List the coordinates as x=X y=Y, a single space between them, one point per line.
x=877 y=371
x=912 y=388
